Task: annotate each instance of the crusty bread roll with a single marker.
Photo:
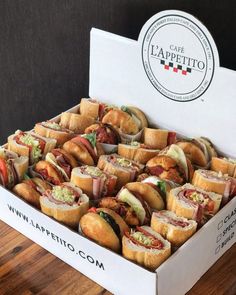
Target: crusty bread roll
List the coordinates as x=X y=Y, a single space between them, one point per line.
x=192 y=202
x=148 y=193
x=158 y=138
x=126 y=170
x=174 y=228
x=76 y=122
x=89 y=107
x=100 y=230
x=224 y=165
x=61 y=136
x=52 y=174
x=139 y=115
x=149 y=258
x=66 y=213
x=136 y=153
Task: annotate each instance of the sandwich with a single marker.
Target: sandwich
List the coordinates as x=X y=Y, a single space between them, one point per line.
x=48 y=172
x=12 y=168
x=139 y=203
x=158 y=138
x=224 y=165
x=75 y=122
x=62 y=161
x=84 y=148
x=93 y=181
x=198 y=150
x=126 y=170
x=105 y=227
x=173 y=228
x=31 y=145
x=128 y=120
x=136 y=151
x=171 y=164
x=52 y=129
x=93 y=108
x=146 y=247
x=193 y=202
x=212 y=181
x=65 y=203
x=31 y=189
x=105 y=133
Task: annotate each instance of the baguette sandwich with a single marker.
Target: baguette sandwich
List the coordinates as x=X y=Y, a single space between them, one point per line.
x=31 y=145
x=193 y=203
x=105 y=227
x=93 y=108
x=146 y=247
x=65 y=203
x=171 y=164
x=158 y=138
x=93 y=181
x=51 y=129
x=174 y=228
x=126 y=170
x=76 y=122
x=224 y=165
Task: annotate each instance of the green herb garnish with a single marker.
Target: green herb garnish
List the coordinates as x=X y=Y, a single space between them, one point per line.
x=162 y=186
x=91 y=137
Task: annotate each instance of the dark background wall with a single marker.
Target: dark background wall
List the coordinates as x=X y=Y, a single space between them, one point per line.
x=44 y=48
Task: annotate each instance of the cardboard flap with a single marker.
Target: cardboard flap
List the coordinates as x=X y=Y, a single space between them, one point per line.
x=184 y=62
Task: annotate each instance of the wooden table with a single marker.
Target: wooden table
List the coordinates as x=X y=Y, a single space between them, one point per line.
x=26 y=268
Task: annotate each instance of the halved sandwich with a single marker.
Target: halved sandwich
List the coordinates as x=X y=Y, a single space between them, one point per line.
x=105 y=227
x=31 y=189
x=31 y=145
x=198 y=150
x=224 y=165
x=65 y=203
x=146 y=247
x=93 y=181
x=175 y=229
x=137 y=151
x=193 y=202
x=93 y=108
x=84 y=148
x=126 y=170
x=76 y=122
x=12 y=168
x=158 y=138
x=52 y=129
x=171 y=164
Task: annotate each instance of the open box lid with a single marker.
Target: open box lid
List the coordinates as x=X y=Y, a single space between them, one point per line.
x=172 y=73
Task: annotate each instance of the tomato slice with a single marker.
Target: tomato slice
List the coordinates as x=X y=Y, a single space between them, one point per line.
x=110 y=183
x=210 y=205
x=3 y=170
x=93 y=210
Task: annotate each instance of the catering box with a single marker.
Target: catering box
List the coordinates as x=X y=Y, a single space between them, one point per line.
x=173 y=74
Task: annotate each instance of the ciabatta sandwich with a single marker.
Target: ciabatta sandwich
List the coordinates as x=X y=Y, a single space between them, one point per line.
x=175 y=229
x=93 y=181
x=65 y=203
x=146 y=247
x=105 y=227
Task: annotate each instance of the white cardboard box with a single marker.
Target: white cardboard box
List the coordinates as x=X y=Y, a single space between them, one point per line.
x=125 y=71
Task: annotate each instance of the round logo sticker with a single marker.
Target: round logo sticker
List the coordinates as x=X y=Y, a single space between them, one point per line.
x=178 y=57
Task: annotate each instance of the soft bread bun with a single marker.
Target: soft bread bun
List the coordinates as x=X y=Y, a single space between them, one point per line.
x=136 y=153
x=61 y=136
x=70 y=215
x=98 y=229
x=54 y=175
x=183 y=208
x=90 y=108
x=148 y=193
x=79 y=151
x=140 y=116
x=158 y=138
x=149 y=258
x=224 y=165
x=122 y=120
x=26 y=192
x=176 y=232
x=76 y=122
x=194 y=153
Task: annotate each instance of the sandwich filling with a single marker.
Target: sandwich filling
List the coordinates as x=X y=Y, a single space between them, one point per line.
x=105 y=133
x=177 y=221
x=55 y=126
x=141 y=237
x=8 y=175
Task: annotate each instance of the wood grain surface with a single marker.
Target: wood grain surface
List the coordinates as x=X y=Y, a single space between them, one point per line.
x=26 y=268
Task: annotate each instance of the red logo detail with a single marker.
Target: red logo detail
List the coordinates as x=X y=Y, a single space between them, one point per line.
x=184 y=72
x=175 y=70
x=166 y=67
